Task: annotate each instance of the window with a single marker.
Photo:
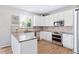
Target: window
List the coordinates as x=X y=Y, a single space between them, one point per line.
x=25 y=21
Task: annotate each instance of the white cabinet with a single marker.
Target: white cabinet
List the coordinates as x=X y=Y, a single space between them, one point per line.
x=15 y=45
x=49 y=20
x=46 y=36
x=68 y=17
x=55 y=17
x=43 y=20
x=25 y=47
x=39 y=21
x=36 y=21
x=42 y=35
x=67 y=40
x=60 y=16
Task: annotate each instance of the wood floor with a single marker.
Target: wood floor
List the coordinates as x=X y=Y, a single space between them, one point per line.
x=6 y=50
x=44 y=47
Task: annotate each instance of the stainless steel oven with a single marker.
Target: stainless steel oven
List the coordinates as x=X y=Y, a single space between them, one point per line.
x=57 y=38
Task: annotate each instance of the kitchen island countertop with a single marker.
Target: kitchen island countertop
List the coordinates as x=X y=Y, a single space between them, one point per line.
x=21 y=37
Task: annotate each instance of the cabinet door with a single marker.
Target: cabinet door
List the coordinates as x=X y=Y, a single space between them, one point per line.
x=42 y=35
x=36 y=21
x=68 y=41
x=68 y=18
x=39 y=21
x=55 y=17
x=42 y=20
x=46 y=36
x=15 y=45
x=46 y=20
x=60 y=16
x=49 y=20
x=29 y=47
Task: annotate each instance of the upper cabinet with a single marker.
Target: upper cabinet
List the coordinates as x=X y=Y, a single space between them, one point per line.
x=68 y=17
x=49 y=20
x=36 y=20
x=39 y=20
x=55 y=17
x=58 y=16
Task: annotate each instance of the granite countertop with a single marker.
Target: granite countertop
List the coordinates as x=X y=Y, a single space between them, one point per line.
x=67 y=33
x=21 y=37
x=62 y=32
x=21 y=34
x=29 y=30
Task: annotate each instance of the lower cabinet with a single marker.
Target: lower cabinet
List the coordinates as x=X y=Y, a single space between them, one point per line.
x=46 y=36
x=15 y=45
x=26 y=47
x=67 y=40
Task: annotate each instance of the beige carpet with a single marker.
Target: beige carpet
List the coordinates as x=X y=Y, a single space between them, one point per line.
x=45 y=47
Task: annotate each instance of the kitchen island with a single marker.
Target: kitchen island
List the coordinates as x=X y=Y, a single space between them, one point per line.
x=24 y=43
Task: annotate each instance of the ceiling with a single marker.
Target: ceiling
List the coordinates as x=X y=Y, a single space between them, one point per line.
x=39 y=9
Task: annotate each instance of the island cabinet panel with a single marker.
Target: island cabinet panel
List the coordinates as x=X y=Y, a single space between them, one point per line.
x=23 y=47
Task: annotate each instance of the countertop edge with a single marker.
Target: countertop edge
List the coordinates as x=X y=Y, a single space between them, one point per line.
x=22 y=40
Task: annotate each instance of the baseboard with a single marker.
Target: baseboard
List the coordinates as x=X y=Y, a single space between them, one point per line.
x=46 y=40
x=5 y=45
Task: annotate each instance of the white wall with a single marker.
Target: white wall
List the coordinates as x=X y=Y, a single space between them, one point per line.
x=5 y=23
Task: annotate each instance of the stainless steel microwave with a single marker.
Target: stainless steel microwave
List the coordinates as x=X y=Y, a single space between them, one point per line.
x=59 y=23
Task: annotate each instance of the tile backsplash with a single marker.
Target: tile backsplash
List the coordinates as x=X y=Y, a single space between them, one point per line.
x=68 y=29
